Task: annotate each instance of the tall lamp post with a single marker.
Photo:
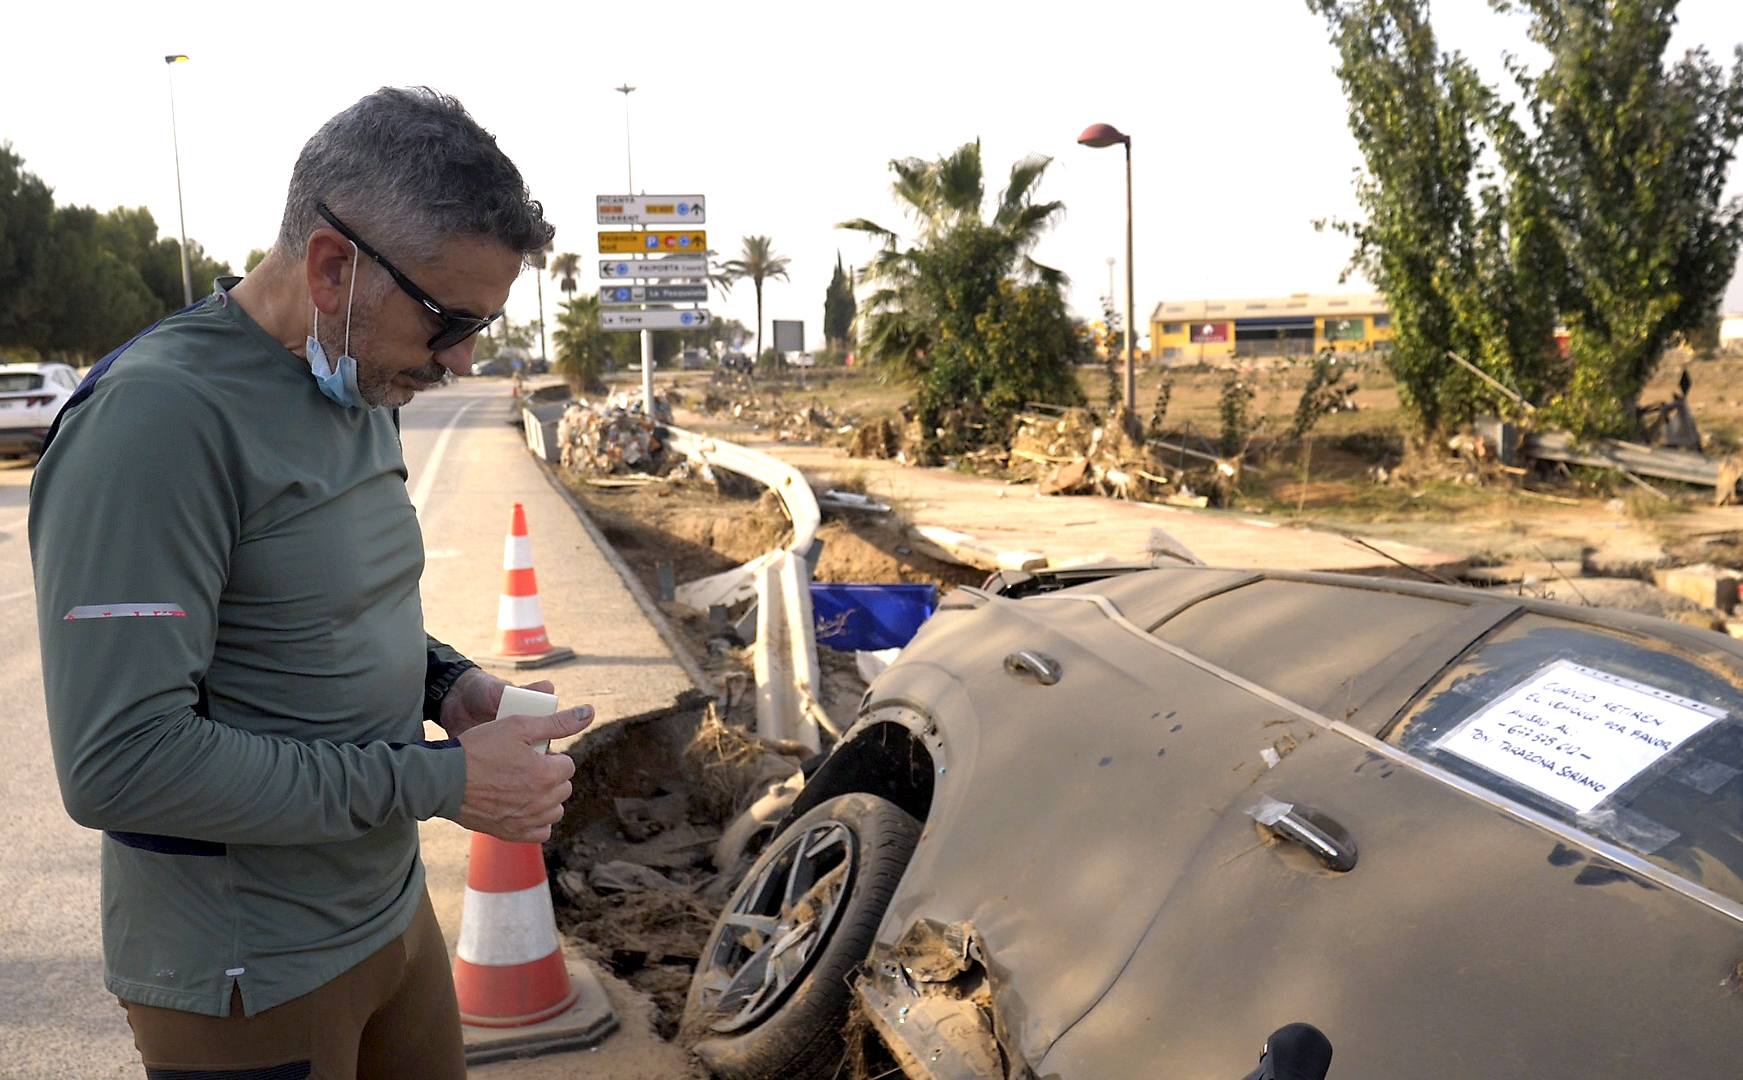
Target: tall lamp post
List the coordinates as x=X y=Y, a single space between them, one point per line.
x=647 y=335
x=1098 y=136
x=175 y=145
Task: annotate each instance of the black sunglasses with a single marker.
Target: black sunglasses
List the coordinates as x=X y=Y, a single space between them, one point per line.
x=457 y=326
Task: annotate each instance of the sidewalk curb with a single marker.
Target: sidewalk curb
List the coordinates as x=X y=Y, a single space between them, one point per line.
x=662 y=626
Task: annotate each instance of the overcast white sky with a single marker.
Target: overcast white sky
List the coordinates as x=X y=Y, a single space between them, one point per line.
x=784 y=115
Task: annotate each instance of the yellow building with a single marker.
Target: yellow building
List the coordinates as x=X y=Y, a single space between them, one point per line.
x=1193 y=331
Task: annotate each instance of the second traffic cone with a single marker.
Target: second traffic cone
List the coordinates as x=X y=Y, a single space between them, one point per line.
x=509 y=971
x=521 y=640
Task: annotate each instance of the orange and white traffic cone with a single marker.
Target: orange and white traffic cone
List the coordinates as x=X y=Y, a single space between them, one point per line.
x=510 y=970
x=518 y=996
x=521 y=641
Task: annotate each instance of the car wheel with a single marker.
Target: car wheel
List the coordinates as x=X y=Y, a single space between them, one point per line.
x=771 y=992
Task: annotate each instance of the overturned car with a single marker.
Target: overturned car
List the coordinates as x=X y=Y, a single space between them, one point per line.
x=1124 y=827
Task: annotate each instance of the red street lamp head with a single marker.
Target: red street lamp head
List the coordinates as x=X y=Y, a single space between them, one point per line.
x=1100 y=135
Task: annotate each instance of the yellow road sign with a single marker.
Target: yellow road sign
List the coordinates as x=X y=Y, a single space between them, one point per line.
x=658 y=241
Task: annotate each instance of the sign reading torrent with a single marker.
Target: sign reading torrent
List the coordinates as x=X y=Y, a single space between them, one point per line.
x=652 y=209
x=1577 y=735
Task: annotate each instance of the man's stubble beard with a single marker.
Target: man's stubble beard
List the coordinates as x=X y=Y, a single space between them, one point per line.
x=376 y=386
x=375 y=383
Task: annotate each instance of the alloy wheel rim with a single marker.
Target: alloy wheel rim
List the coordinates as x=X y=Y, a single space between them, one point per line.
x=776 y=927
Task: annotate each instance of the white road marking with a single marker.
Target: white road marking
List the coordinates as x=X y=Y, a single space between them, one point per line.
x=427 y=480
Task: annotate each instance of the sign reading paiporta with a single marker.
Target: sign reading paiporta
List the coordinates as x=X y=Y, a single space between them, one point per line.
x=652 y=209
x=654 y=241
x=657 y=319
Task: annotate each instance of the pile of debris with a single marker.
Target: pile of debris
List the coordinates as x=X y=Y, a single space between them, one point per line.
x=768 y=412
x=614 y=436
x=1071 y=452
x=886 y=438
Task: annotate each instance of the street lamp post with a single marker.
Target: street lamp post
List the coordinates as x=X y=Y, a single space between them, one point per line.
x=1098 y=136
x=647 y=335
x=175 y=145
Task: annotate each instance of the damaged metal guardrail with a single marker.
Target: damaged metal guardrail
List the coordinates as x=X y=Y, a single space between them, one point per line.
x=785 y=653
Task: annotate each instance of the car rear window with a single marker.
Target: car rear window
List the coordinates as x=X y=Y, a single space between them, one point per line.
x=13 y=381
x=1309 y=642
x=1622 y=737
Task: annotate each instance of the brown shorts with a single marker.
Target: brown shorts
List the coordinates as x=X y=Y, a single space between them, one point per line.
x=392 y=1016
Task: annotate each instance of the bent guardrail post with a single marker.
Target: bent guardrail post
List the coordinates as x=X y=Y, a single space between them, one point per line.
x=785 y=655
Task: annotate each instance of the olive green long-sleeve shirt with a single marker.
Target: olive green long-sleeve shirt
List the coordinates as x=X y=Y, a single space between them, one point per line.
x=207 y=520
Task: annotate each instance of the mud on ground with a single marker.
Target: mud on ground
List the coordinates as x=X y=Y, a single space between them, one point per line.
x=633 y=862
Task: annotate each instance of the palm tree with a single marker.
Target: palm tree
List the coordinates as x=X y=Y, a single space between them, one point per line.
x=537 y=261
x=959 y=257
x=582 y=346
x=566 y=269
x=758 y=262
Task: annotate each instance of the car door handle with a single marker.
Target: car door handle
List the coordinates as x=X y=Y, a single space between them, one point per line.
x=1044 y=668
x=1324 y=838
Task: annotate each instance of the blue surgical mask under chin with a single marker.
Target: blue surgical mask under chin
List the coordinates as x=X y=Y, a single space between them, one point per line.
x=338 y=381
x=339 y=386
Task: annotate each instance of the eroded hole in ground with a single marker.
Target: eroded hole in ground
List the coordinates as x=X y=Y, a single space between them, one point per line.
x=634 y=862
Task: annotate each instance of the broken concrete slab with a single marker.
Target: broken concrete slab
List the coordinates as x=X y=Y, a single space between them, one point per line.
x=973 y=551
x=1707 y=585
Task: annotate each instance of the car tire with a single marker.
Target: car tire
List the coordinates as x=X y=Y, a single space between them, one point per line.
x=794 y=1028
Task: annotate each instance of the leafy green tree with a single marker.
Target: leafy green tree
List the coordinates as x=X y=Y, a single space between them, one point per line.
x=1417 y=115
x=1605 y=211
x=1633 y=157
x=964 y=311
x=256 y=256
x=756 y=263
x=26 y=222
x=77 y=282
x=583 y=349
x=839 y=307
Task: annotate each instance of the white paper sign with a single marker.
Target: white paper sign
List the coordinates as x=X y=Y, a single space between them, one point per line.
x=1577 y=735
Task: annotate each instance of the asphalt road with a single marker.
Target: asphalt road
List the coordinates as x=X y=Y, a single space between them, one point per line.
x=56 y=1019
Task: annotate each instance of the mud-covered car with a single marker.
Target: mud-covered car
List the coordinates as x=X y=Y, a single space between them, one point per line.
x=1127 y=827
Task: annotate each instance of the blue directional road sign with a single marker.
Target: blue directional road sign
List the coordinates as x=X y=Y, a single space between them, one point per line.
x=655 y=319
x=653 y=294
x=673 y=266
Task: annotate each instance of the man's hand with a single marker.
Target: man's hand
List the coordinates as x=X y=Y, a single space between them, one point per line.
x=514 y=790
x=474 y=699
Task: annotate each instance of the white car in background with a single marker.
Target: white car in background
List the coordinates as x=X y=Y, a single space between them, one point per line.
x=31 y=396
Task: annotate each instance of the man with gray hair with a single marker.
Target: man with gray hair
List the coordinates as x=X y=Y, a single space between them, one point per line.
x=233 y=649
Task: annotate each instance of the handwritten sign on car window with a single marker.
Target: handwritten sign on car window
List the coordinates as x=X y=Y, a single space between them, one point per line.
x=1577 y=735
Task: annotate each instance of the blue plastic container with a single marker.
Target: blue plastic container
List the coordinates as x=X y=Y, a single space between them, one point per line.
x=871 y=617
